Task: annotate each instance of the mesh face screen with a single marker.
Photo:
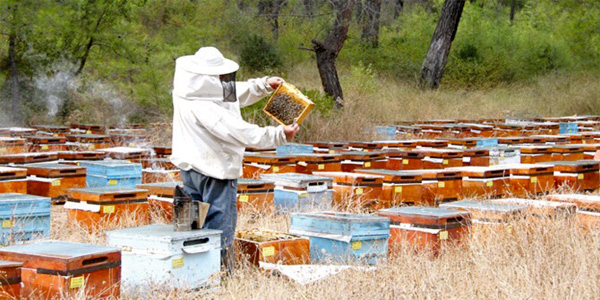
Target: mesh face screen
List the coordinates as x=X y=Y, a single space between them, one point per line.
x=228 y=83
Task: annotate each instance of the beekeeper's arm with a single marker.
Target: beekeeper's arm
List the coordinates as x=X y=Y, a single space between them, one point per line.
x=249 y=92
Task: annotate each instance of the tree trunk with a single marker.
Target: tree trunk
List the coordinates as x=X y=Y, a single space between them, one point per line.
x=432 y=69
x=513 y=7
x=372 y=14
x=328 y=50
x=15 y=88
x=271 y=9
x=398 y=7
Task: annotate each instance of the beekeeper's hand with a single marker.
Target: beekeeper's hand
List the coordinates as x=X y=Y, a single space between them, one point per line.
x=290 y=131
x=275 y=82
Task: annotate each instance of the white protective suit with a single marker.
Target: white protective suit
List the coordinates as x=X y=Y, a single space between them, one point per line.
x=209 y=135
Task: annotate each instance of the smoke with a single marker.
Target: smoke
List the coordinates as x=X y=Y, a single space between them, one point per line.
x=54 y=87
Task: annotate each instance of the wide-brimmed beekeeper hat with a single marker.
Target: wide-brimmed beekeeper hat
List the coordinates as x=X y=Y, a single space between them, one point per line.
x=207 y=61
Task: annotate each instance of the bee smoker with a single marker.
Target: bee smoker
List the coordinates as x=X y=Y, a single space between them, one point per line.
x=186 y=211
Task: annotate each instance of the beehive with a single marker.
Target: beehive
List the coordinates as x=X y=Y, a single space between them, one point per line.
x=406 y=160
x=24 y=217
x=399 y=187
x=255 y=196
x=160 y=198
x=308 y=163
x=542 y=208
x=440 y=185
x=263 y=245
x=125 y=152
x=488 y=215
x=13 y=180
x=10 y=145
x=288 y=105
x=530 y=179
x=81 y=155
x=257 y=164
x=486 y=182
x=577 y=175
x=29 y=157
x=10 y=280
x=358 y=159
x=112 y=173
x=355 y=190
x=53 y=179
x=300 y=192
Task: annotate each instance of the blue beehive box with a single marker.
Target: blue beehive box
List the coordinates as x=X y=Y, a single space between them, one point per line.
x=24 y=217
x=296 y=192
x=487 y=142
x=293 y=148
x=387 y=131
x=112 y=173
x=343 y=237
x=567 y=127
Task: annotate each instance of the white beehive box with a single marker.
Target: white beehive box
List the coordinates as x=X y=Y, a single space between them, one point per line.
x=158 y=255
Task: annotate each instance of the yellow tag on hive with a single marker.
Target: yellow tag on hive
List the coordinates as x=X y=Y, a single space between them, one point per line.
x=88 y=132
x=113 y=182
x=55 y=135
x=3 y=150
x=356 y=245
x=76 y=282
x=508 y=228
x=365 y=150
x=367 y=164
x=56 y=183
x=303 y=195
x=268 y=251
x=443 y=235
x=131 y=145
x=405 y=161
x=321 y=167
x=534 y=179
x=580 y=176
x=445 y=162
x=8 y=223
x=109 y=209
x=331 y=151
x=177 y=262
x=275 y=169
x=44 y=147
x=243 y=198
x=358 y=191
x=398 y=189
x=92 y=147
x=441 y=184
x=489 y=183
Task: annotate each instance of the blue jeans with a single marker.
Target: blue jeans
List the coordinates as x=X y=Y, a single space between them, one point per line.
x=222 y=197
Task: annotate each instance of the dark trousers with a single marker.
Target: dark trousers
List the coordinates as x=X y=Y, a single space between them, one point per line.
x=222 y=197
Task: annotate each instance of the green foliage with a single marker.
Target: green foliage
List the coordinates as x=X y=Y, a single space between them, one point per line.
x=259 y=55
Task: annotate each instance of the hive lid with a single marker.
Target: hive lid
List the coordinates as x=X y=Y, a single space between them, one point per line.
x=247 y=181
x=58 y=250
x=296 y=178
x=10 y=264
x=158 y=233
x=107 y=190
x=419 y=211
x=20 y=197
x=482 y=206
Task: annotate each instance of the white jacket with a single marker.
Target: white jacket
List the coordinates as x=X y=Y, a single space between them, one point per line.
x=209 y=135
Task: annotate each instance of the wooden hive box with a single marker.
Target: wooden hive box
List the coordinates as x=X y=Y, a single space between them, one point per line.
x=287 y=105
x=162 y=151
x=462 y=143
x=53 y=179
x=329 y=147
x=81 y=155
x=125 y=152
x=156 y=163
x=440 y=185
x=481 y=130
x=512 y=140
x=29 y=157
x=56 y=269
x=301 y=192
x=308 y=163
x=488 y=215
x=567 y=152
x=535 y=154
x=54 y=130
x=588 y=208
x=552 y=139
x=399 y=187
x=89 y=128
x=153 y=175
x=425 y=228
x=17 y=132
x=536 y=209
x=476 y=157
x=160 y=198
x=425 y=143
x=263 y=245
x=406 y=160
x=256 y=164
x=590 y=150
x=356 y=159
x=255 y=196
x=46 y=143
x=486 y=182
x=93 y=141
x=10 y=280
x=441 y=158
x=104 y=207
x=364 y=146
x=582 y=176
x=431 y=131
x=128 y=139
x=10 y=145
x=530 y=179
x=13 y=180
x=355 y=190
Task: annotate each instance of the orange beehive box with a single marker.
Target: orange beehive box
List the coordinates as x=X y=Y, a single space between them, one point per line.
x=580 y=175
x=125 y=152
x=535 y=154
x=462 y=143
x=567 y=152
x=396 y=144
x=441 y=158
x=590 y=149
x=17 y=132
x=81 y=155
x=399 y=187
x=488 y=212
x=425 y=143
x=156 y=163
x=356 y=159
x=476 y=157
x=542 y=208
x=530 y=179
x=425 y=228
x=103 y=207
x=308 y=163
x=262 y=245
x=10 y=280
x=91 y=141
x=364 y=146
x=160 y=199
x=440 y=185
x=46 y=140
x=588 y=208
x=29 y=157
x=128 y=139
x=256 y=164
x=255 y=196
x=480 y=130
x=162 y=151
x=53 y=180
x=10 y=145
x=89 y=128
x=512 y=140
x=152 y=175
x=405 y=160
x=486 y=182
x=551 y=139
x=58 y=270
x=54 y=130
x=13 y=180
x=329 y=147
x=353 y=189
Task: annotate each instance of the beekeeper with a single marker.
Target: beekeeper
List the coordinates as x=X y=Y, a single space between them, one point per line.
x=210 y=136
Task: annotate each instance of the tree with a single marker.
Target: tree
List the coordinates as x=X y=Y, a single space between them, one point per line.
x=372 y=14
x=328 y=49
x=432 y=69
x=271 y=9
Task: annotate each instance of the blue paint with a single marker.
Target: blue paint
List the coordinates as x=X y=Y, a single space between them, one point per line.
x=23 y=217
